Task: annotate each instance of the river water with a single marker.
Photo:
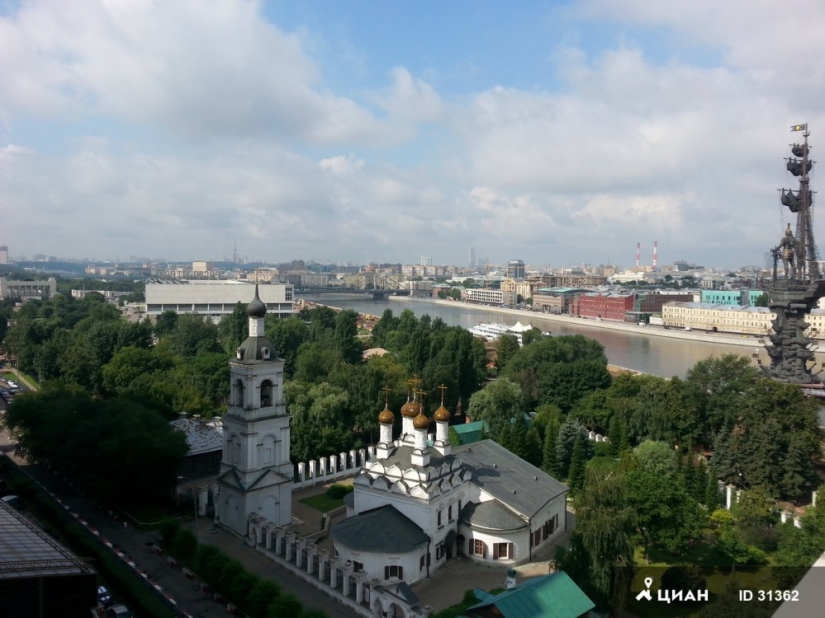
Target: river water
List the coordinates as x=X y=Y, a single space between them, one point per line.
x=649 y=354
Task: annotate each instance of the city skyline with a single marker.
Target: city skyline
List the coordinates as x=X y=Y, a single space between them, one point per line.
x=559 y=133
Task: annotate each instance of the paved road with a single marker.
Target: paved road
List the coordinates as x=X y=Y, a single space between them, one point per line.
x=137 y=545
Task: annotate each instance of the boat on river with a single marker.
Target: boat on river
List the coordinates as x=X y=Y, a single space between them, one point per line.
x=490 y=331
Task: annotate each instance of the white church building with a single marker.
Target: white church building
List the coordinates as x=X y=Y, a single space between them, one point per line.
x=414 y=505
x=256 y=475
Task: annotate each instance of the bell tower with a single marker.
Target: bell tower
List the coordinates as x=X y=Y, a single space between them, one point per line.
x=256 y=471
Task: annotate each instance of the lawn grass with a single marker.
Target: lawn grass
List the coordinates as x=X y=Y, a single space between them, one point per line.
x=22 y=377
x=322 y=503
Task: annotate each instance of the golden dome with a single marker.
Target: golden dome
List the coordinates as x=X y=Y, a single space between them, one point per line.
x=386 y=416
x=421 y=421
x=442 y=414
x=411 y=409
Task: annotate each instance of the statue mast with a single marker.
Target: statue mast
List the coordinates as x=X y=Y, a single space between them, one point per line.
x=793 y=296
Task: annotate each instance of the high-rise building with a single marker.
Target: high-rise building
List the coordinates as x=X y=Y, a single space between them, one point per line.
x=515 y=269
x=472 y=257
x=4 y=254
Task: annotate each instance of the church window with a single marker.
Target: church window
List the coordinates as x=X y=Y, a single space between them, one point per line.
x=439 y=551
x=393 y=571
x=357 y=566
x=450 y=513
x=477 y=547
x=422 y=563
x=238 y=393
x=266 y=394
x=503 y=551
x=439 y=518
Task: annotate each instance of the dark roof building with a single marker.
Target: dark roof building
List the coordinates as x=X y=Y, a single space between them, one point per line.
x=38 y=576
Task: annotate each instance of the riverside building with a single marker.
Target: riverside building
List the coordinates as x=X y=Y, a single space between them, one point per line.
x=214 y=298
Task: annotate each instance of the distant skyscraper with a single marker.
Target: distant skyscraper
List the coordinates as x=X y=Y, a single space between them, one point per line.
x=515 y=269
x=426 y=261
x=4 y=254
x=472 y=257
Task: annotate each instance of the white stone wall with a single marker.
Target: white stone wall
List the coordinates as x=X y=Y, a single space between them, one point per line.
x=374 y=563
x=520 y=539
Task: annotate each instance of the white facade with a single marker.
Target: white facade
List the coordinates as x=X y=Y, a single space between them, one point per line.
x=721 y=318
x=215 y=298
x=28 y=289
x=494 y=297
x=256 y=470
x=480 y=496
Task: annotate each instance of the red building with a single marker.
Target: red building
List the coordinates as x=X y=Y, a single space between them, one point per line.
x=611 y=307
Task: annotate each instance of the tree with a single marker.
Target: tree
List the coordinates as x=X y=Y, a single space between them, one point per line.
x=549 y=461
x=664 y=511
x=497 y=404
x=762 y=300
x=346 y=329
x=506 y=347
x=234 y=328
x=600 y=558
x=577 y=464
x=532 y=335
x=569 y=432
x=559 y=370
x=721 y=383
x=656 y=458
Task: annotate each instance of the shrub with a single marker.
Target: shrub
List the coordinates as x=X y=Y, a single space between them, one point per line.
x=337 y=492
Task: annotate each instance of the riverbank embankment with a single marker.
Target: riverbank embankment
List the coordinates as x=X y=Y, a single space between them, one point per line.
x=650 y=331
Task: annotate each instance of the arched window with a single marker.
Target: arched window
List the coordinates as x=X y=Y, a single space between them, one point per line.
x=238 y=393
x=266 y=394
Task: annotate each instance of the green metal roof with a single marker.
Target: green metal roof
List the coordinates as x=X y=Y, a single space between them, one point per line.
x=551 y=596
x=470 y=432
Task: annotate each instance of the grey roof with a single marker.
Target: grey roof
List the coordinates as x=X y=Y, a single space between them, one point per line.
x=25 y=551
x=383 y=530
x=201 y=436
x=508 y=478
x=349 y=499
x=256 y=349
x=491 y=515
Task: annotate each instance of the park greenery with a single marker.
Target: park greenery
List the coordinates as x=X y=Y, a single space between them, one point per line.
x=648 y=494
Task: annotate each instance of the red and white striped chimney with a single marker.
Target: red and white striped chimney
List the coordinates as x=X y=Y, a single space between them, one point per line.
x=638 y=254
x=655 y=252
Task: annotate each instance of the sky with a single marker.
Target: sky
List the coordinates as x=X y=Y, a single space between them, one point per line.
x=560 y=133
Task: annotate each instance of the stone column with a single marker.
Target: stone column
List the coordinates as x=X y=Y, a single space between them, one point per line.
x=311 y=551
x=353 y=458
x=333 y=573
x=323 y=469
x=289 y=540
x=203 y=499
x=371 y=452
x=302 y=475
x=333 y=465
x=346 y=583
x=269 y=535
x=359 y=587
x=299 y=552
x=783 y=516
x=313 y=469
x=797 y=522
x=728 y=496
x=323 y=558
x=343 y=462
x=362 y=454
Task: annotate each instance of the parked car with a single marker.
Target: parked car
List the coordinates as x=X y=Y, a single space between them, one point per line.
x=118 y=611
x=103 y=597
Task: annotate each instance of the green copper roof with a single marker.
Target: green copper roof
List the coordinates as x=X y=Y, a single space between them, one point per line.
x=469 y=432
x=551 y=596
